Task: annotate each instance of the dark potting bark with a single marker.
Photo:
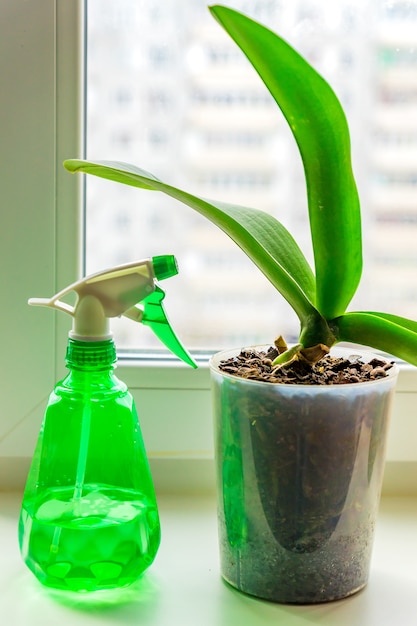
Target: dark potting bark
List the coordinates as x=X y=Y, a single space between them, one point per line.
x=255 y=364
x=299 y=470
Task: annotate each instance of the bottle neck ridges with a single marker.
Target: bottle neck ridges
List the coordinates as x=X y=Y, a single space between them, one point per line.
x=90 y=355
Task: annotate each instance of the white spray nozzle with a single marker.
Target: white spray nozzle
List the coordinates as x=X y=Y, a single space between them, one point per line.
x=104 y=295
x=117 y=292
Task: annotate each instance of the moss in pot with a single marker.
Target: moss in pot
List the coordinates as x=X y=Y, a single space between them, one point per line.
x=320 y=300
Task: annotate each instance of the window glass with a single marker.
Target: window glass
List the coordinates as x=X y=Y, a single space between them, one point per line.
x=168 y=91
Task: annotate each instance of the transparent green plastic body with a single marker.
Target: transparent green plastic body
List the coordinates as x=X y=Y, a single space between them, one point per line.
x=89 y=518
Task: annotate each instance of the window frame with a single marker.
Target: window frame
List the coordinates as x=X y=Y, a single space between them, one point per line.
x=46 y=42
x=41 y=55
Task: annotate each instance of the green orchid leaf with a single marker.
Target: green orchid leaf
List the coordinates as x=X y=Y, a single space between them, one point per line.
x=389 y=333
x=265 y=240
x=395 y=319
x=318 y=123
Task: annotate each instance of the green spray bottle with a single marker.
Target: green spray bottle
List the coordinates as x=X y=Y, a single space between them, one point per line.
x=89 y=519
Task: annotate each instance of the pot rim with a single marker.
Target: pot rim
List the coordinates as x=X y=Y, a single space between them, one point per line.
x=366 y=355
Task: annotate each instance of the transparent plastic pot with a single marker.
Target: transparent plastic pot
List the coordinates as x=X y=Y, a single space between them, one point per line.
x=299 y=476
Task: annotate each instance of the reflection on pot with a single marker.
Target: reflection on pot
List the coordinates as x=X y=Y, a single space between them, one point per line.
x=303 y=485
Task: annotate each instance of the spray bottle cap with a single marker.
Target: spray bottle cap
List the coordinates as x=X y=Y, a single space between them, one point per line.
x=116 y=292
x=164 y=266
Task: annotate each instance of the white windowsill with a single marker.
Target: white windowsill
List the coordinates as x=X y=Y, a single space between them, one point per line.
x=183 y=586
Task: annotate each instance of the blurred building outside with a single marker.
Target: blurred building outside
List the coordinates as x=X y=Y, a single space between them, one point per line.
x=168 y=91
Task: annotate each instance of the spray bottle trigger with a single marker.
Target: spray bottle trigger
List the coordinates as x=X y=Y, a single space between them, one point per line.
x=155 y=317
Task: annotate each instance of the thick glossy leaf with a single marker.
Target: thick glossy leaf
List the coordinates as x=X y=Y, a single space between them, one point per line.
x=404 y=322
x=260 y=235
x=390 y=333
x=318 y=123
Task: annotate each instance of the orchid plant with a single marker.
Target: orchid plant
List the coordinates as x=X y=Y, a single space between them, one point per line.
x=318 y=123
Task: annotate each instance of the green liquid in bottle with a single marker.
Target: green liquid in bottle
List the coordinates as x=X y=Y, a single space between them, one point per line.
x=89 y=518
x=104 y=539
